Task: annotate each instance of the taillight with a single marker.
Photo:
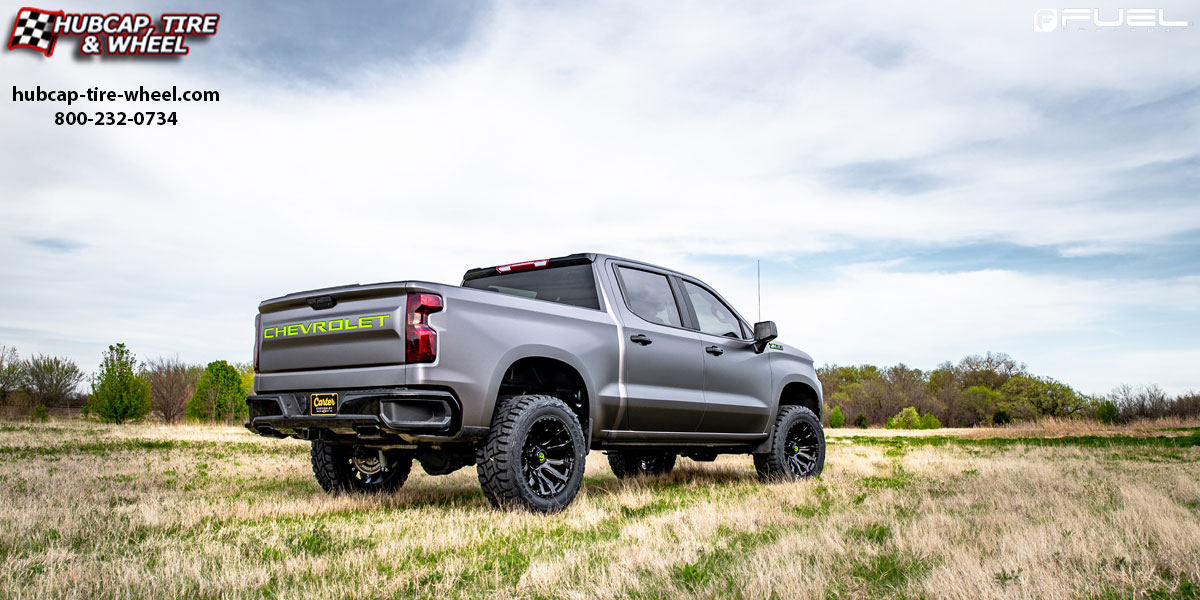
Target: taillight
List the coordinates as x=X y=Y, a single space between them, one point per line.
x=421 y=339
x=257 y=339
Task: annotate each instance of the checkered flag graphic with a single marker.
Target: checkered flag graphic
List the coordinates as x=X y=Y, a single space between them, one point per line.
x=34 y=29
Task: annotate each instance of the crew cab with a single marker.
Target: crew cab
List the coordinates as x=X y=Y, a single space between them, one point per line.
x=524 y=368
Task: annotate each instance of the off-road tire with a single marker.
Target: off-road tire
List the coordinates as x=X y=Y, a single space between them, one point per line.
x=797 y=447
x=626 y=464
x=336 y=470
x=508 y=458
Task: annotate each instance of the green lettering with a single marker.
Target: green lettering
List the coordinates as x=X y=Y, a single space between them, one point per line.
x=329 y=326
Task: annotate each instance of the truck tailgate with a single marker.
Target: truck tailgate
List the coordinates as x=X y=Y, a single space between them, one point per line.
x=350 y=326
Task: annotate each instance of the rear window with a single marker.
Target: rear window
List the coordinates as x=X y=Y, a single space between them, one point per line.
x=574 y=285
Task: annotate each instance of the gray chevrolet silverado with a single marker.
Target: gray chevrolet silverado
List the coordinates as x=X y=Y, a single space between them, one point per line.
x=524 y=368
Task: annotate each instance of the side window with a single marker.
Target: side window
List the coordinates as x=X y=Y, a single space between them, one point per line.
x=714 y=317
x=649 y=296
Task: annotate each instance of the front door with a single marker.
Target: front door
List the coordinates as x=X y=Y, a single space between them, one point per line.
x=737 y=380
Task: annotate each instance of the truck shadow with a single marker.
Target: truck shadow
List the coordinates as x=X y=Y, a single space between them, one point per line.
x=683 y=476
x=467 y=495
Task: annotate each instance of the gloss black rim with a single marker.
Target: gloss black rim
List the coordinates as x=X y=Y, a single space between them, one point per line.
x=801 y=449
x=548 y=457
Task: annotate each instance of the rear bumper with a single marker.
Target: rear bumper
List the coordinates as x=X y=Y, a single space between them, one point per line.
x=394 y=415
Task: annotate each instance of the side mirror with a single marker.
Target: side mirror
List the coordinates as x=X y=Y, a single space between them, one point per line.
x=764 y=332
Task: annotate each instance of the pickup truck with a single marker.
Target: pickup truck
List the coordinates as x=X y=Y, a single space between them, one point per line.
x=522 y=370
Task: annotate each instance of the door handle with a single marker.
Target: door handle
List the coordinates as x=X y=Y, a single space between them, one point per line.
x=714 y=350
x=641 y=339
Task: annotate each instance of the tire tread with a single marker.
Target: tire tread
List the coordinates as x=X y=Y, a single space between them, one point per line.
x=334 y=476
x=494 y=460
x=769 y=465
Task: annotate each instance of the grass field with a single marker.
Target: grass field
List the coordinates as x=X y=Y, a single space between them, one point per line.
x=93 y=511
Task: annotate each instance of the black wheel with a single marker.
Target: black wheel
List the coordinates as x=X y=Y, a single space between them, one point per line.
x=534 y=455
x=343 y=468
x=626 y=464
x=797 y=448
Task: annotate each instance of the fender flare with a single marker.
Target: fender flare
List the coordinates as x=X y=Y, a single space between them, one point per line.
x=543 y=351
x=801 y=378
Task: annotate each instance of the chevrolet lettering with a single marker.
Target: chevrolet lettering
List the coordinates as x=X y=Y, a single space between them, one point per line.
x=329 y=326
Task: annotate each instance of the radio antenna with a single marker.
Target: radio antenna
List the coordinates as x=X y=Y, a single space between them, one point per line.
x=758 y=268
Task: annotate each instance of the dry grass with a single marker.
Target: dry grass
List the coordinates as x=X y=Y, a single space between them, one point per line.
x=1043 y=428
x=1061 y=427
x=173 y=512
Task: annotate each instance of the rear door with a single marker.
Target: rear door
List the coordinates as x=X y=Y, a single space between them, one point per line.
x=664 y=365
x=737 y=380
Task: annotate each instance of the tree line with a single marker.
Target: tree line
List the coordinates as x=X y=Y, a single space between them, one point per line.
x=124 y=389
x=984 y=389
x=993 y=388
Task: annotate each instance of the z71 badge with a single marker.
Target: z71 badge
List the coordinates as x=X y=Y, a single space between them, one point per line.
x=322 y=404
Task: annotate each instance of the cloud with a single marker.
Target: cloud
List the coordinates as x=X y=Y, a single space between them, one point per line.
x=54 y=244
x=1079 y=330
x=665 y=133
x=897 y=177
x=1172 y=369
x=318 y=43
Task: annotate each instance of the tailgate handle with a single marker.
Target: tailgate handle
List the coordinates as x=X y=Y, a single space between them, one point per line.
x=641 y=339
x=322 y=302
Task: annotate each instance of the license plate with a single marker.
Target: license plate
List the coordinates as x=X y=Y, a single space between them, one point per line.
x=323 y=404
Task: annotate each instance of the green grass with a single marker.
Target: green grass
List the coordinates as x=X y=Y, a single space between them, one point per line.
x=877 y=533
x=898 y=479
x=888 y=572
x=108 y=448
x=720 y=567
x=899 y=444
x=1181 y=589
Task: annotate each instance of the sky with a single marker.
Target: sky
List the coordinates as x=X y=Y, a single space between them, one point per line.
x=920 y=183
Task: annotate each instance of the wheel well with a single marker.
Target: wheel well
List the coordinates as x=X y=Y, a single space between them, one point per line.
x=540 y=375
x=801 y=394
